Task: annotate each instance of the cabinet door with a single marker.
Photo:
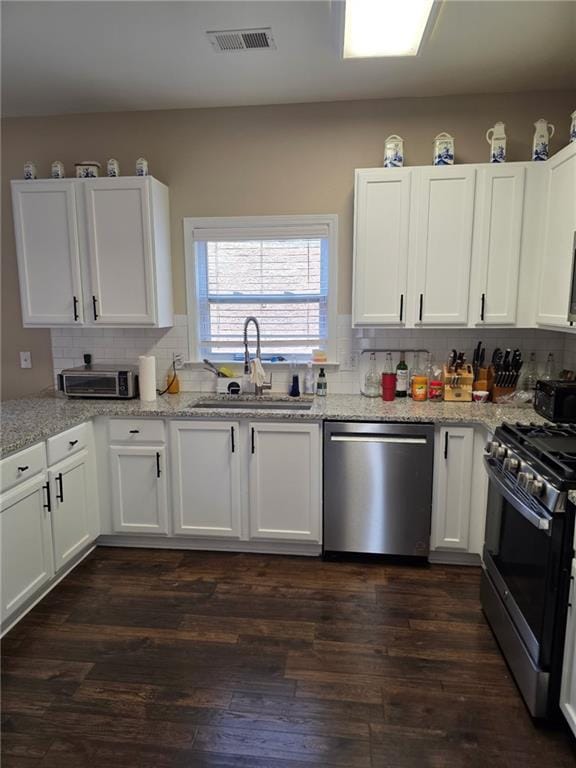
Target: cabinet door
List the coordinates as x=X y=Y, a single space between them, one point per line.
x=45 y=228
x=206 y=478
x=443 y=242
x=558 y=246
x=72 y=507
x=568 y=691
x=120 y=251
x=138 y=476
x=26 y=543
x=382 y=218
x=498 y=237
x=452 y=488
x=285 y=482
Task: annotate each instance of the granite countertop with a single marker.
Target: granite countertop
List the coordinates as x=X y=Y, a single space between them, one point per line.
x=29 y=420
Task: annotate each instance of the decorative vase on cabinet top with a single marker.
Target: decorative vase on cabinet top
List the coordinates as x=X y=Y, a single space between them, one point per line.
x=443 y=149
x=496 y=137
x=542 y=135
x=394 y=152
x=573 y=126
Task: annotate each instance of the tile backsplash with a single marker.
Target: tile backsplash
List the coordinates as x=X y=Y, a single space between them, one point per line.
x=124 y=345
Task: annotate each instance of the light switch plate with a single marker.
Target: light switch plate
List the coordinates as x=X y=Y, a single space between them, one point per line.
x=25 y=360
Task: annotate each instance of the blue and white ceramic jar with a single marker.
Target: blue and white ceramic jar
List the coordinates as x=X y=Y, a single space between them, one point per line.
x=30 y=170
x=57 y=169
x=112 y=167
x=141 y=167
x=443 y=149
x=573 y=126
x=394 y=152
x=496 y=137
x=542 y=135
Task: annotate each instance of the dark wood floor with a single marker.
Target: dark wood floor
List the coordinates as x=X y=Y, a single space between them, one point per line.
x=151 y=659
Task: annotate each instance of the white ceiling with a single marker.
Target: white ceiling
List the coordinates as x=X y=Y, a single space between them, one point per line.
x=63 y=57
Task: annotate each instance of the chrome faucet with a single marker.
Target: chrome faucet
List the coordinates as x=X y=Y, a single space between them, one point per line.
x=267 y=385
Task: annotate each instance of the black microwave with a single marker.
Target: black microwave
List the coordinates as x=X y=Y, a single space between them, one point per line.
x=556 y=401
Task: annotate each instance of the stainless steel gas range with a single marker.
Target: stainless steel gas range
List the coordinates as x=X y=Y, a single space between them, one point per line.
x=527 y=553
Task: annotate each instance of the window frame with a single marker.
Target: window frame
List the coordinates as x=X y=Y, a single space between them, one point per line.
x=266 y=227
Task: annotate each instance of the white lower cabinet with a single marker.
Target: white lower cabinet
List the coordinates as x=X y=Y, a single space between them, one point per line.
x=568 y=690
x=452 y=488
x=139 y=494
x=206 y=493
x=74 y=511
x=285 y=481
x=26 y=543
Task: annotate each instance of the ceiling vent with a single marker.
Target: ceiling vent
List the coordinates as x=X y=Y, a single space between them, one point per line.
x=229 y=40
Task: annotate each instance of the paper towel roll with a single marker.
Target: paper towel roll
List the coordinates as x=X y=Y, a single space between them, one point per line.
x=147 y=377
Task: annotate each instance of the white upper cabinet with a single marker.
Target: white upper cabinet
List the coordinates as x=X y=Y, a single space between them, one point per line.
x=120 y=251
x=104 y=242
x=206 y=478
x=497 y=244
x=285 y=482
x=443 y=245
x=557 y=250
x=381 y=233
x=48 y=251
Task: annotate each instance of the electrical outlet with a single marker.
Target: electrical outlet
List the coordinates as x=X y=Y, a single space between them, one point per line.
x=178 y=358
x=349 y=361
x=25 y=360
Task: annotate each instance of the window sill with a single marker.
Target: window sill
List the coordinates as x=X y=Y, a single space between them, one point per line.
x=194 y=364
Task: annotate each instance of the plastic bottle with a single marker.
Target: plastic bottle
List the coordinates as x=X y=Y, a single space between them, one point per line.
x=372 y=379
x=322 y=384
x=419 y=383
x=388 y=379
x=309 y=379
x=549 y=368
x=531 y=374
x=402 y=377
x=295 y=386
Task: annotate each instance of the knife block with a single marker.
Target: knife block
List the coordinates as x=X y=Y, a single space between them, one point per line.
x=485 y=380
x=462 y=391
x=498 y=393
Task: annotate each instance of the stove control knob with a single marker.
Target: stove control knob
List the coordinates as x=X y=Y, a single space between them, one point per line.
x=525 y=480
x=511 y=465
x=537 y=487
x=501 y=452
x=491 y=447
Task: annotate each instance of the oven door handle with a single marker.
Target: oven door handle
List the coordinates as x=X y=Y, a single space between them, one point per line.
x=542 y=521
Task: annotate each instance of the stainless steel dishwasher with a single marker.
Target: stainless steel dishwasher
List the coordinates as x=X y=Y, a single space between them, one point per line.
x=378 y=487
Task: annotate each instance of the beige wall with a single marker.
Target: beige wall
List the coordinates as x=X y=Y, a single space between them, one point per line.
x=286 y=159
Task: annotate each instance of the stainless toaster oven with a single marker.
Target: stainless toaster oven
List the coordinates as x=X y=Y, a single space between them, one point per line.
x=99 y=380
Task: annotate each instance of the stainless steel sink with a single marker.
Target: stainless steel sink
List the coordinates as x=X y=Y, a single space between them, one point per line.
x=254 y=405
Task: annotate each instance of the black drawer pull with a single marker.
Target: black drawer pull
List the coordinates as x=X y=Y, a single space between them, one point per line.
x=23 y=469
x=72 y=443
x=134 y=431
x=232 y=439
x=401 y=306
x=483 y=306
x=253 y=441
x=446 y=445
x=158 y=473
x=421 y=307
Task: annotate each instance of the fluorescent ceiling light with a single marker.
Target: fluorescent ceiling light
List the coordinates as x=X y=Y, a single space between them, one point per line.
x=384 y=27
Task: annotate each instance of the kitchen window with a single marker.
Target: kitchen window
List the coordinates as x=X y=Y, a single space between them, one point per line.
x=281 y=269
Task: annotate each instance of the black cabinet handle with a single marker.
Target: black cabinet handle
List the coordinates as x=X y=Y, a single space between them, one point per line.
x=134 y=431
x=445 y=445
x=72 y=443
x=253 y=445
x=158 y=472
x=48 y=504
x=60 y=483
x=421 y=307
x=76 y=315
x=482 y=306
x=232 y=439
x=401 y=306
x=23 y=469
x=94 y=300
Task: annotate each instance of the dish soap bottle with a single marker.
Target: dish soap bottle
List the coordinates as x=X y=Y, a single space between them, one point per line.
x=172 y=383
x=322 y=384
x=402 y=376
x=372 y=379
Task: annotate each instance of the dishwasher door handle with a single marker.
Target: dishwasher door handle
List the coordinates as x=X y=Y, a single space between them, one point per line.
x=390 y=439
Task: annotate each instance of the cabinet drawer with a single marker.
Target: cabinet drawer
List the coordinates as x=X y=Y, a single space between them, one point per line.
x=21 y=466
x=136 y=430
x=67 y=443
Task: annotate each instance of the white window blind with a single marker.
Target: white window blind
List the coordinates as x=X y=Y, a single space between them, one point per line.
x=282 y=279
